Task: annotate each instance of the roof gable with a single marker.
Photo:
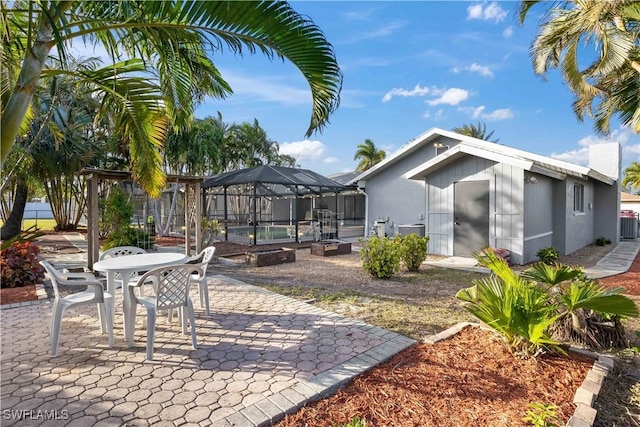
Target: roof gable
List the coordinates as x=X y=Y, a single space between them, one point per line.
x=556 y=169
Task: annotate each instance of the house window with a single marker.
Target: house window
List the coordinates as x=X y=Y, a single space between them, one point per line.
x=578 y=198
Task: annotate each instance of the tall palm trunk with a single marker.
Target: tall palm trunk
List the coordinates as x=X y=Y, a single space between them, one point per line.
x=16 y=108
x=13 y=225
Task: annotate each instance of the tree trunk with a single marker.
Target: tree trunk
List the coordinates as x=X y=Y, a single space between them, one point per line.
x=13 y=226
x=21 y=96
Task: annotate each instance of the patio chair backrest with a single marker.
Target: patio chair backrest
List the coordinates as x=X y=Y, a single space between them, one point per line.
x=173 y=284
x=54 y=276
x=204 y=257
x=120 y=251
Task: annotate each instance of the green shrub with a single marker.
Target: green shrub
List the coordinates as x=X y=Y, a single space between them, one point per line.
x=19 y=265
x=541 y=415
x=548 y=255
x=380 y=257
x=128 y=236
x=116 y=211
x=413 y=250
x=602 y=241
x=355 y=422
x=546 y=305
x=520 y=311
x=210 y=229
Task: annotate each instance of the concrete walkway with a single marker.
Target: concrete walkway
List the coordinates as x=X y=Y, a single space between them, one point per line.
x=260 y=355
x=618 y=261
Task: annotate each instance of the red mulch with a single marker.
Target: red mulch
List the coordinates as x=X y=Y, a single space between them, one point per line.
x=468 y=380
x=20 y=294
x=629 y=280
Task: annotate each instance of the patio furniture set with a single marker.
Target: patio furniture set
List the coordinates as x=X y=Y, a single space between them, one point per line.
x=169 y=274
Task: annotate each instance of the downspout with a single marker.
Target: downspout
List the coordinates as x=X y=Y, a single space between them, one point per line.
x=366 y=209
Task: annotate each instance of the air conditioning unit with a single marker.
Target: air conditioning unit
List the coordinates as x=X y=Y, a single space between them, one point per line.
x=629 y=226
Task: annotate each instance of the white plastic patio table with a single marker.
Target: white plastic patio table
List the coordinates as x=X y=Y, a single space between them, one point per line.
x=126 y=265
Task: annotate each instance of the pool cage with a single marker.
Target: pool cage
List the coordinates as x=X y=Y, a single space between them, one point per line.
x=274 y=204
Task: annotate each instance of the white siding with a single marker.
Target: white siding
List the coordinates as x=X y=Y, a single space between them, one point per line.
x=538 y=216
x=505 y=199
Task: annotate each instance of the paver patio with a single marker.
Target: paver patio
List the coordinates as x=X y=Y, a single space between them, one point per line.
x=259 y=355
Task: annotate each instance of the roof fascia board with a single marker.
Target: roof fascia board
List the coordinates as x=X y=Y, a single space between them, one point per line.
x=601 y=177
x=419 y=140
x=462 y=148
x=421 y=171
x=548 y=172
x=497 y=157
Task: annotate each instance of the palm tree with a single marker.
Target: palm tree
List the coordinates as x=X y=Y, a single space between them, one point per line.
x=608 y=85
x=169 y=44
x=631 y=177
x=369 y=155
x=197 y=150
x=478 y=131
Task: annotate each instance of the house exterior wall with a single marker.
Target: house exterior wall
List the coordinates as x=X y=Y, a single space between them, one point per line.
x=632 y=206
x=505 y=200
x=606 y=208
x=579 y=225
x=538 y=215
x=393 y=196
x=559 y=207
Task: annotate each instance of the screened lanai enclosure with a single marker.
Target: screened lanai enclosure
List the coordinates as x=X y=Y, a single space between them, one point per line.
x=272 y=204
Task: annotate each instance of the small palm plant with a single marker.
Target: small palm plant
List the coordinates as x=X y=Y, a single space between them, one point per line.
x=516 y=308
x=589 y=313
x=547 y=305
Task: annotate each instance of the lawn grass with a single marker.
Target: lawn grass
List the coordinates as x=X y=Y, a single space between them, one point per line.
x=42 y=224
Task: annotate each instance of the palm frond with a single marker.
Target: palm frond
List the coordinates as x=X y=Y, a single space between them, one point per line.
x=551 y=274
x=592 y=296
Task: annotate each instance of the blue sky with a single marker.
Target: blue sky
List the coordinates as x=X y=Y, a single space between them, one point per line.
x=409 y=67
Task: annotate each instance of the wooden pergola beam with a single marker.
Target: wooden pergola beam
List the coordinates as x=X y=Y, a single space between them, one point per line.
x=93 y=211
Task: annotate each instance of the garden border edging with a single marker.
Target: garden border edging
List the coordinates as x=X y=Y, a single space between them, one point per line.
x=587 y=393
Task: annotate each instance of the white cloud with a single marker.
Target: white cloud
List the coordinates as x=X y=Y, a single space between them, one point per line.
x=452 y=96
x=486 y=12
x=508 y=32
x=439 y=115
x=302 y=151
x=475 y=68
x=266 y=88
x=495 y=115
x=382 y=32
x=629 y=142
x=416 y=91
x=329 y=160
x=481 y=69
x=499 y=114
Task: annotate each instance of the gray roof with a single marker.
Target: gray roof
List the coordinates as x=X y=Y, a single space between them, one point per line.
x=302 y=180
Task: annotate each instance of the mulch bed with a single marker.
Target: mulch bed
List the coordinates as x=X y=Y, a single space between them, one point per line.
x=629 y=280
x=470 y=379
x=20 y=294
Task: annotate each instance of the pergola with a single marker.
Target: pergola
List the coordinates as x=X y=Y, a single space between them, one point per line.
x=270 y=181
x=192 y=205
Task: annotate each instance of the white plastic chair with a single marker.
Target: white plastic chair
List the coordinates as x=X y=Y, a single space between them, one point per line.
x=121 y=251
x=202 y=260
x=172 y=291
x=93 y=294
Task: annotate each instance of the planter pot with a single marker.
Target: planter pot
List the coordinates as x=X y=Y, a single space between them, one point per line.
x=270 y=257
x=330 y=248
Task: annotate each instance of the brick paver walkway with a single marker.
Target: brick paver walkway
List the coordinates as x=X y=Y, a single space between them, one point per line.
x=259 y=355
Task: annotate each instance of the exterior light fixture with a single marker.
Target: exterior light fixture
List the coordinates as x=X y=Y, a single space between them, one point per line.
x=437 y=145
